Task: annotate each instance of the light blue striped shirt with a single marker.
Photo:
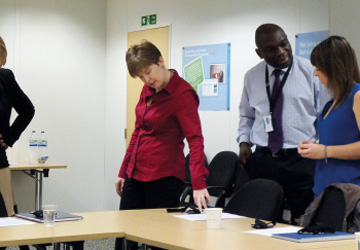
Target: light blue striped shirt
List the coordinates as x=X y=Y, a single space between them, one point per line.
x=304 y=99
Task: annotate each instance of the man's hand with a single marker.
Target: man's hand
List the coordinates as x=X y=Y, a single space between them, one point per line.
x=245 y=152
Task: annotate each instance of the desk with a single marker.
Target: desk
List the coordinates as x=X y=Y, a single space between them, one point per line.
x=99 y=225
x=158 y=228
x=37 y=172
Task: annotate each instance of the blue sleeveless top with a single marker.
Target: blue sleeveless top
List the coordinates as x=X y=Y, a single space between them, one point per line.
x=338 y=128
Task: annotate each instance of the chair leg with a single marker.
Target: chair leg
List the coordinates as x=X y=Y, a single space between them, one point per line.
x=130 y=245
x=41 y=246
x=24 y=247
x=57 y=246
x=76 y=245
x=144 y=247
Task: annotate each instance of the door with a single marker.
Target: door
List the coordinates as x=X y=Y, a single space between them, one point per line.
x=159 y=37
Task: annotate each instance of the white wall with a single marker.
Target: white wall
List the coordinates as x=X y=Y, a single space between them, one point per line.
x=68 y=56
x=57 y=52
x=344 y=21
x=115 y=115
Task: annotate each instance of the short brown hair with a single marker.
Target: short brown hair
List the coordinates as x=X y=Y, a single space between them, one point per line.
x=3 y=52
x=337 y=59
x=141 y=56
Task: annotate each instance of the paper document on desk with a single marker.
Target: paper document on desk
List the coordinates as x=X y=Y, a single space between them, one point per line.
x=10 y=221
x=196 y=217
x=270 y=232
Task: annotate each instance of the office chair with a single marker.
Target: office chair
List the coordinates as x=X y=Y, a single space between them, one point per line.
x=259 y=198
x=331 y=210
x=187 y=172
x=241 y=177
x=221 y=181
x=338 y=207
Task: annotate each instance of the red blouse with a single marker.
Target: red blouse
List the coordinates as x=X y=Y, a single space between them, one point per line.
x=156 y=149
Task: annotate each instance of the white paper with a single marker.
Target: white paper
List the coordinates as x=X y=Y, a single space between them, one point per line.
x=271 y=231
x=9 y=221
x=196 y=217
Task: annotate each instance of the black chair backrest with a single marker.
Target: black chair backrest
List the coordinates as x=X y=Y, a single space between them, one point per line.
x=331 y=210
x=260 y=199
x=222 y=171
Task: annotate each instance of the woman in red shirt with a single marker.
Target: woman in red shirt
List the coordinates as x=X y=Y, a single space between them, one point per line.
x=153 y=170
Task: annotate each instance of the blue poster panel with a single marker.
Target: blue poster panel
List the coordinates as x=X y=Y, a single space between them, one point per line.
x=306 y=42
x=207 y=69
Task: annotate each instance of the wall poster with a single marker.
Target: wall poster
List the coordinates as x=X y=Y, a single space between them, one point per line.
x=207 y=69
x=306 y=42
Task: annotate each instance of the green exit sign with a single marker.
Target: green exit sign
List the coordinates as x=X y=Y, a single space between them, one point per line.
x=148 y=20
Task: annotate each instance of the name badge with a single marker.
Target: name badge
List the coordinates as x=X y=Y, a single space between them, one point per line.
x=268 y=124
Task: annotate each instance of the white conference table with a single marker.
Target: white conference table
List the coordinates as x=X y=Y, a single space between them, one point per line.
x=158 y=228
x=37 y=172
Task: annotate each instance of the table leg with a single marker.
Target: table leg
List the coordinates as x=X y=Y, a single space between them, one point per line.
x=38 y=191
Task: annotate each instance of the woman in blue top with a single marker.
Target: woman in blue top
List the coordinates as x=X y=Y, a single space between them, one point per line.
x=338 y=150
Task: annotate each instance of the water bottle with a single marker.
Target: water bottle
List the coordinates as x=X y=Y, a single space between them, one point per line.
x=33 y=147
x=42 y=148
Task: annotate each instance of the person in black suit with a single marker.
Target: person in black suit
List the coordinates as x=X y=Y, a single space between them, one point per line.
x=11 y=96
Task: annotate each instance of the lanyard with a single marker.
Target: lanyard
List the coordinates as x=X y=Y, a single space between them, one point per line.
x=272 y=101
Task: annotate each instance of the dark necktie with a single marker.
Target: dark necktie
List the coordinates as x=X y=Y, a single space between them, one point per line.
x=276 y=137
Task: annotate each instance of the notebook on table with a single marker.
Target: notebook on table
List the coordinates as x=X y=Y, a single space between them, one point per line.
x=303 y=238
x=60 y=216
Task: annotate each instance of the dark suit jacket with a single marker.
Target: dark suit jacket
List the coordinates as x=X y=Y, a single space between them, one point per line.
x=11 y=96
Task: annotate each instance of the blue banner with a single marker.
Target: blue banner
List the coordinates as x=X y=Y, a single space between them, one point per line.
x=306 y=42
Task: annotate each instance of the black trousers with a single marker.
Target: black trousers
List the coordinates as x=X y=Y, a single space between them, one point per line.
x=293 y=172
x=161 y=193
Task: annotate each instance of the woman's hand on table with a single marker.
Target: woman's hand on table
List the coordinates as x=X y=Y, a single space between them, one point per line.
x=200 y=197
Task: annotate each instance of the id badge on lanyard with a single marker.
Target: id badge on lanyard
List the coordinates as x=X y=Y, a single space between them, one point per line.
x=268 y=125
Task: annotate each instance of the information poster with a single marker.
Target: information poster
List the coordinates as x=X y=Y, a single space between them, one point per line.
x=207 y=69
x=306 y=42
